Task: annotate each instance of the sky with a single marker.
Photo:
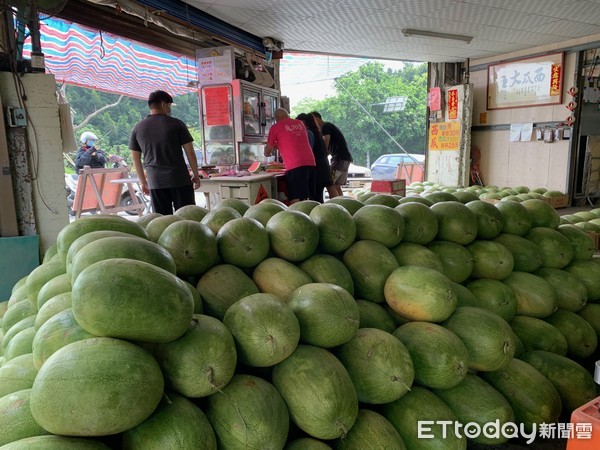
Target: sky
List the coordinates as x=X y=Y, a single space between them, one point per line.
x=312 y=76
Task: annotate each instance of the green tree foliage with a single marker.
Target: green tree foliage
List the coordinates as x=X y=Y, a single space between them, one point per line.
x=114 y=125
x=370 y=86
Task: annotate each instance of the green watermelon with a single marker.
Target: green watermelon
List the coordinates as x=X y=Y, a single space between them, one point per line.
x=491 y=260
x=40 y=276
x=159 y=305
x=440 y=358
x=307 y=443
x=243 y=242
x=20 y=344
x=192 y=246
x=147 y=218
x=580 y=335
x=21 y=325
x=55 y=333
x=475 y=401
x=104 y=386
x=327 y=314
x=373 y=431
x=571 y=293
x=382 y=199
x=351 y=205
x=17 y=374
x=263 y=211
x=318 y=392
x=489 y=219
x=87 y=238
x=420 y=294
x=293 y=235
x=456 y=222
x=555 y=248
x=417 y=415
x=588 y=272
x=488 y=337
x=457 y=261
x=532 y=396
x=582 y=244
x=328 y=269
x=159 y=224
x=279 y=277
x=216 y=300
x=16 y=421
x=369 y=263
x=373 y=315
x=573 y=382
x=526 y=254
x=591 y=314
x=84 y=225
x=379 y=366
x=410 y=254
x=57 y=285
x=535 y=296
x=17 y=312
x=200 y=362
x=494 y=296
x=216 y=218
x=265 y=329
x=517 y=219
x=239 y=205
x=52 y=442
x=305 y=206
x=337 y=229
x=191 y=212
x=541 y=213
x=175 y=424
x=129 y=247
x=248 y=413
x=537 y=334
x=420 y=223
x=379 y=223
x=54 y=305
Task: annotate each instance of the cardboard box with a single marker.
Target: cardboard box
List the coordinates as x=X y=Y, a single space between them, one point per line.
x=596 y=237
x=397 y=187
x=557 y=202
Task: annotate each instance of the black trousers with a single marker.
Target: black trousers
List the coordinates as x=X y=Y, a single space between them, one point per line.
x=166 y=200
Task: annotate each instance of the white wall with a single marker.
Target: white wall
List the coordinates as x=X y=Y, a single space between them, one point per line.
x=533 y=163
x=45 y=146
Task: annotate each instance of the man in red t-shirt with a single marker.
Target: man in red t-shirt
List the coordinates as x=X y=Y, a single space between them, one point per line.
x=289 y=136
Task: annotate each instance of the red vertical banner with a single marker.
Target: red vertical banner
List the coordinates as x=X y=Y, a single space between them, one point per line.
x=435 y=99
x=216 y=102
x=453 y=104
x=555 y=80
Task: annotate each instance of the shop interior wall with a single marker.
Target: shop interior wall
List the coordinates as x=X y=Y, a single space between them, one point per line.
x=45 y=151
x=533 y=163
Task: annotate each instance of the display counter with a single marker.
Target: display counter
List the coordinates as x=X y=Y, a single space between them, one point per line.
x=251 y=188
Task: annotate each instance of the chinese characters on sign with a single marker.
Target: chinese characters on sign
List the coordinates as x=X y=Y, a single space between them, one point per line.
x=453 y=104
x=215 y=65
x=216 y=101
x=529 y=82
x=444 y=136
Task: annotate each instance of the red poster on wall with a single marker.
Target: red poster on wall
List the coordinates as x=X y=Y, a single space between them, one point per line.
x=452 y=104
x=216 y=103
x=435 y=99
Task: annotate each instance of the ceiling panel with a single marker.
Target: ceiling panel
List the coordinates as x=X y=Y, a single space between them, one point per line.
x=373 y=28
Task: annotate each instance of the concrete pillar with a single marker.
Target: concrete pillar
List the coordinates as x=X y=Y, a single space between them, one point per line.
x=39 y=147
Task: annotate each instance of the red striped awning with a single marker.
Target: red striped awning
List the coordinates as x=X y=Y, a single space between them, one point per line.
x=82 y=56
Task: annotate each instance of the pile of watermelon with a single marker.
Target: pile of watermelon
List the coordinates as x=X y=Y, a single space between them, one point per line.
x=316 y=326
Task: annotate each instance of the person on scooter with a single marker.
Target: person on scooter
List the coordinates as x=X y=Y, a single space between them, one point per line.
x=88 y=154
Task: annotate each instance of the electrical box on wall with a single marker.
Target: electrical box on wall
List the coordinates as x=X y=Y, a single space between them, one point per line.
x=16 y=117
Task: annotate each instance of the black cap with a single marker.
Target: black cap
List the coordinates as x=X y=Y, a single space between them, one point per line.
x=159 y=96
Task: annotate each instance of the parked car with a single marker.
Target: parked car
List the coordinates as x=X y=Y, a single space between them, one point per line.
x=384 y=167
x=355 y=171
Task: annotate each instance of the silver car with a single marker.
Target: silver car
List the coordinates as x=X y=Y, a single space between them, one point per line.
x=385 y=167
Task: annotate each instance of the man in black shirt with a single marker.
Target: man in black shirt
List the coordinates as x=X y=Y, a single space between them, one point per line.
x=340 y=155
x=158 y=139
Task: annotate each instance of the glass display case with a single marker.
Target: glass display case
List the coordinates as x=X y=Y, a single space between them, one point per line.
x=236 y=118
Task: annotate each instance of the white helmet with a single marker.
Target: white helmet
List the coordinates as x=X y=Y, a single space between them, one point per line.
x=87 y=135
